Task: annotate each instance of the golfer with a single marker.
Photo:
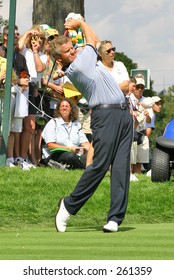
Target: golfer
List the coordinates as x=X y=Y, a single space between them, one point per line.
x=111 y=125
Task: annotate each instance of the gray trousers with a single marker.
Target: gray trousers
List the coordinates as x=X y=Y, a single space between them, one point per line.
x=112 y=138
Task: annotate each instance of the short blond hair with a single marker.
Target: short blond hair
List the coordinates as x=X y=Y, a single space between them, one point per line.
x=56 y=43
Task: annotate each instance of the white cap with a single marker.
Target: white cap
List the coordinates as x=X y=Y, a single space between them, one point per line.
x=140 y=81
x=147 y=102
x=156 y=98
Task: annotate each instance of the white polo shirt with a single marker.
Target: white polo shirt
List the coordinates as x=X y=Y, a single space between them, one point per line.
x=34 y=75
x=119 y=72
x=94 y=81
x=58 y=131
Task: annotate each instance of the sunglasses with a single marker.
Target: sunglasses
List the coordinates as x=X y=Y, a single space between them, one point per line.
x=159 y=103
x=16 y=34
x=111 y=49
x=140 y=87
x=50 y=38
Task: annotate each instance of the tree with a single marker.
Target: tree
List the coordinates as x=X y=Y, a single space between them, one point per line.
x=54 y=12
x=2 y=23
x=129 y=64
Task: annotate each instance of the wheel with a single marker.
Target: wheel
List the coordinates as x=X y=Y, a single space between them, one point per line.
x=160 y=166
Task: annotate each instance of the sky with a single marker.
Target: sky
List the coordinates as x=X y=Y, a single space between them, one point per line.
x=144 y=31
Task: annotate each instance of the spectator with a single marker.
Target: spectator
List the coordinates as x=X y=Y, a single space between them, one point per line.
x=47 y=97
x=64 y=137
x=19 y=96
x=141 y=155
x=31 y=43
x=156 y=108
x=132 y=86
x=49 y=86
x=117 y=68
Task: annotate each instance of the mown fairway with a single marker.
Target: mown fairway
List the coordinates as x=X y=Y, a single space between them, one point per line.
x=132 y=242
x=29 y=202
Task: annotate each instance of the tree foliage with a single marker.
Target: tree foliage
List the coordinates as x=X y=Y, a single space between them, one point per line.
x=126 y=60
x=3 y=22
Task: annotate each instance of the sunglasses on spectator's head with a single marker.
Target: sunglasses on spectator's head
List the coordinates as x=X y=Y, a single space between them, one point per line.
x=51 y=37
x=111 y=49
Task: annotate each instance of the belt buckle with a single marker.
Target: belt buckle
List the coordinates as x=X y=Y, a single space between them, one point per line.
x=122 y=106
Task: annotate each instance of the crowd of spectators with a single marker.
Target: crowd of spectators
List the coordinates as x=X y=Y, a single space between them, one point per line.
x=50 y=124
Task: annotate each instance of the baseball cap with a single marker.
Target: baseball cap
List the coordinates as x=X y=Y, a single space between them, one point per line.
x=156 y=98
x=45 y=26
x=147 y=102
x=140 y=81
x=51 y=33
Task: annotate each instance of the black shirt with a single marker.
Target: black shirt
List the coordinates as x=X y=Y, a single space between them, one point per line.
x=19 y=61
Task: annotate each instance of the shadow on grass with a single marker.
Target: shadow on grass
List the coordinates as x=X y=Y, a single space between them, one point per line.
x=126 y=228
x=100 y=229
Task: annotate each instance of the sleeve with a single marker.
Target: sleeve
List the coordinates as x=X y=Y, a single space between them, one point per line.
x=124 y=76
x=49 y=132
x=43 y=58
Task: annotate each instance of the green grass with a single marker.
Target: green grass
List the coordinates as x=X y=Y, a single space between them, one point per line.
x=29 y=202
x=132 y=242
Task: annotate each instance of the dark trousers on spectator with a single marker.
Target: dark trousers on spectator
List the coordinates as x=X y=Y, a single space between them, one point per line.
x=73 y=160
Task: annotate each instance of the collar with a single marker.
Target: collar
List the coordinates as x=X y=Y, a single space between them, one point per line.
x=62 y=122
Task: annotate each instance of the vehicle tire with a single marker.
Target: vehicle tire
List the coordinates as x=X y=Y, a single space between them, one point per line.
x=160 y=166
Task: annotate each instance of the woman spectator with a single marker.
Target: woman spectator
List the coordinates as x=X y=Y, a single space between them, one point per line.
x=66 y=142
x=31 y=43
